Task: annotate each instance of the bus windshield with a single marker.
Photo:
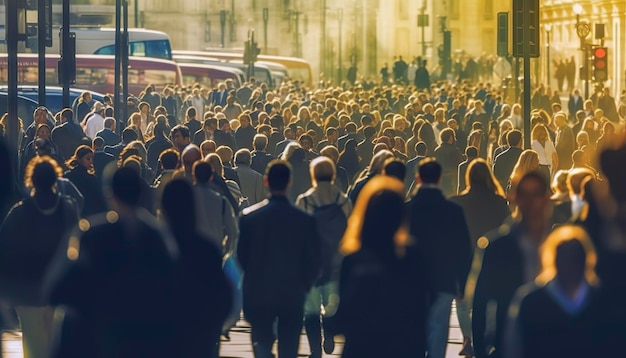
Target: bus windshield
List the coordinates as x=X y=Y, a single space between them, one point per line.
x=152 y=48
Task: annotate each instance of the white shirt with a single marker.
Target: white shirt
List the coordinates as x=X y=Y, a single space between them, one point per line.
x=95 y=124
x=545 y=153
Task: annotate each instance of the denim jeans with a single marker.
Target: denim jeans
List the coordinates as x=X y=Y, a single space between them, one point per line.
x=439 y=324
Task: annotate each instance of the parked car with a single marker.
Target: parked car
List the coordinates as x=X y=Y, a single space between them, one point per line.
x=54 y=95
x=25 y=108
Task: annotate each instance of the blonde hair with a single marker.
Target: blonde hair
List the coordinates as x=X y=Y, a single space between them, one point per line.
x=559 y=236
x=527 y=162
x=351 y=241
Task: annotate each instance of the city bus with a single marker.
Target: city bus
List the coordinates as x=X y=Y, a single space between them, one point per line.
x=209 y=75
x=261 y=73
x=101 y=41
x=297 y=68
x=97 y=72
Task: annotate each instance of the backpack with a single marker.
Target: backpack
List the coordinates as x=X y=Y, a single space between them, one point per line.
x=331 y=223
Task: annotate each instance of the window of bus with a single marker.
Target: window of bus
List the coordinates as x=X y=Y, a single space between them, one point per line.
x=156 y=49
x=159 y=78
x=88 y=76
x=201 y=80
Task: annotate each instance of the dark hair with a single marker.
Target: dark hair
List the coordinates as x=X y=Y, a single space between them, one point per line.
x=446 y=134
x=44 y=175
x=210 y=122
x=369 y=132
x=169 y=159
x=471 y=152
x=98 y=142
x=160 y=129
x=177 y=194
x=421 y=148
x=184 y=131
x=67 y=114
x=429 y=171
x=202 y=171
x=242 y=156
x=395 y=168
x=129 y=135
x=126 y=186
x=351 y=127
x=79 y=153
x=191 y=112
x=278 y=175
x=514 y=137
x=377 y=235
x=536 y=176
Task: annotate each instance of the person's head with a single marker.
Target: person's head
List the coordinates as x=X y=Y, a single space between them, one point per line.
x=471 y=153
x=331 y=153
x=259 y=143
x=514 y=138
x=83 y=157
x=216 y=164
x=429 y=172
x=559 y=182
x=278 y=177
x=243 y=157
x=178 y=194
x=378 y=161
x=169 y=159
x=144 y=108
x=191 y=113
x=180 y=137
x=480 y=178
x=532 y=196
x=579 y=158
x=394 y=167
x=40 y=115
x=109 y=123
x=225 y=153
x=306 y=142
x=421 y=149
x=202 y=172
x=125 y=189
x=42 y=131
x=568 y=255
x=378 y=221
x=560 y=120
x=448 y=136
x=527 y=161
x=191 y=154
x=369 y=133
x=41 y=174
x=207 y=147
x=332 y=134
x=97 y=143
x=322 y=170
x=67 y=115
x=129 y=135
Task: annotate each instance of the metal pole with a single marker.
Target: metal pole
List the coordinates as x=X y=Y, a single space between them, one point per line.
x=12 y=38
x=548 y=57
x=297 y=34
x=323 y=40
x=423 y=11
x=136 y=5
x=124 y=61
x=41 y=50
x=526 y=104
x=586 y=69
x=266 y=17
x=516 y=80
x=119 y=102
x=223 y=27
x=67 y=48
x=339 y=74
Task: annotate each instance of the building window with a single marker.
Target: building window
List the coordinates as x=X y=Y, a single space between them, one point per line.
x=488 y=14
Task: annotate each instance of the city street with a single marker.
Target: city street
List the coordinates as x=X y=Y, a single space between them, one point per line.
x=239 y=345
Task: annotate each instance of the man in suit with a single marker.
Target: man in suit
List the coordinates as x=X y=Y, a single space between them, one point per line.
x=471 y=153
x=251 y=181
x=100 y=158
x=108 y=133
x=192 y=123
x=128 y=135
x=443 y=245
x=574 y=104
x=260 y=159
x=218 y=97
x=69 y=135
x=510 y=259
x=365 y=149
x=350 y=134
x=331 y=139
x=565 y=142
x=411 y=165
x=279 y=253
x=290 y=136
x=505 y=162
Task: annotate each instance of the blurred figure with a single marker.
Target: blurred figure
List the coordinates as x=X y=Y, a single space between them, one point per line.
x=29 y=238
x=81 y=174
x=443 y=242
x=331 y=208
x=200 y=276
x=277 y=276
x=559 y=318
x=116 y=274
x=382 y=309
x=507 y=259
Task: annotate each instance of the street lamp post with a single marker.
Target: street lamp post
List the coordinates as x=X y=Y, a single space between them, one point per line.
x=548 y=30
x=266 y=17
x=583 y=29
x=339 y=72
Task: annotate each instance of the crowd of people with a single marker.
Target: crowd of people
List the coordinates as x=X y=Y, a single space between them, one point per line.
x=341 y=210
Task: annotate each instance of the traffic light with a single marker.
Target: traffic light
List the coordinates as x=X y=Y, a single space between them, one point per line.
x=526 y=10
x=600 y=64
x=447 y=52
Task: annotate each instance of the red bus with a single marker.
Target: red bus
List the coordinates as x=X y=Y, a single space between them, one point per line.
x=97 y=72
x=210 y=75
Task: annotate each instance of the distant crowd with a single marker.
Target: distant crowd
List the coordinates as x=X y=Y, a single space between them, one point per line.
x=361 y=211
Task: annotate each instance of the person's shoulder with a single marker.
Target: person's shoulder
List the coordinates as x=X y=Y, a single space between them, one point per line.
x=255 y=210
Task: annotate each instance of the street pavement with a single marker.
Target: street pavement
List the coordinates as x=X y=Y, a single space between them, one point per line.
x=239 y=345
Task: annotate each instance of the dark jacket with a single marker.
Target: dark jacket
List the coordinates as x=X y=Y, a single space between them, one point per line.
x=100 y=161
x=158 y=146
x=504 y=163
x=449 y=156
x=68 y=136
x=118 y=285
x=224 y=138
x=193 y=125
x=244 y=137
x=110 y=137
x=484 y=211
x=279 y=253
x=501 y=274
x=442 y=240
x=90 y=187
x=260 y=160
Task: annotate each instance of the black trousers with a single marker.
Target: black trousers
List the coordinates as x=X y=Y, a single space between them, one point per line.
x=262 y=318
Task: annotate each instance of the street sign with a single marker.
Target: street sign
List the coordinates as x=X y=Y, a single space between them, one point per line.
x=422 y=20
